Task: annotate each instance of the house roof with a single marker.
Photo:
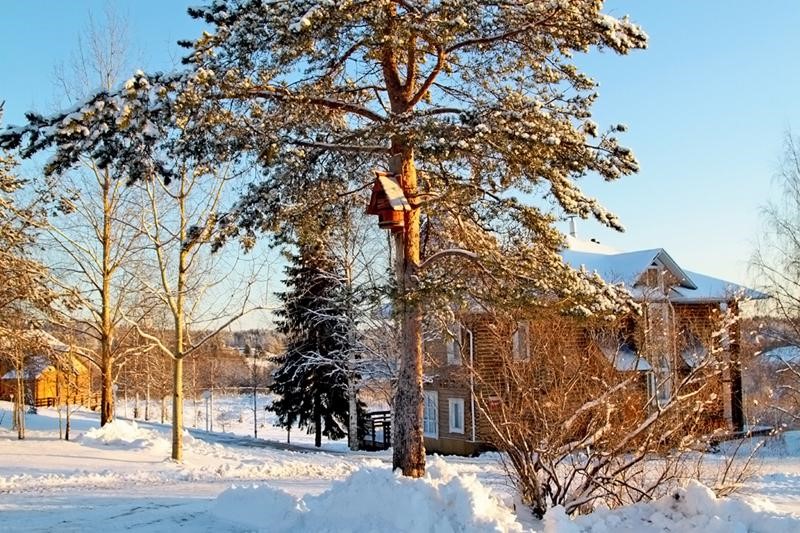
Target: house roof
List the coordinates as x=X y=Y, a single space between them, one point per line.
x=40 y=336
x=782 y=354
x=627 y=268
x=625 y=359
x=37 y=365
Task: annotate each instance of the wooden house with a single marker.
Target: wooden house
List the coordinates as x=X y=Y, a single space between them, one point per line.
x=51 y=375
x=684 y=316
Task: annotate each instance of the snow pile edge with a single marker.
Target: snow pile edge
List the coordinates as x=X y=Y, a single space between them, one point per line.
x=693 y=509
x=124 y=435
x=373 y=500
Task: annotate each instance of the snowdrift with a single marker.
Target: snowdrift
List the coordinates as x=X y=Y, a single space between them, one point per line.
x=694 y=509
x=126 y=435
x=373 y=500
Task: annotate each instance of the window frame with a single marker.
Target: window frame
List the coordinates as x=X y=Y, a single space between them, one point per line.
x=450 y=412
x=520 y=342
x=434 y=395
x=454 y=344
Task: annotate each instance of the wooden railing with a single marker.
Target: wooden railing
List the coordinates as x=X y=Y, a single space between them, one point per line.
x=92 y=401
x=45 y=402
x=378 y=435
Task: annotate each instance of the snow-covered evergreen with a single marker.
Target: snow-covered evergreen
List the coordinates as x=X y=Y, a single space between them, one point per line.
x=313 y=373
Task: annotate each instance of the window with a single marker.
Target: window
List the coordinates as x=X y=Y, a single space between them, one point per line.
x=456 y=408
x=692 y=350
x=520 y=348
x=659 y=386
x=454 y=332
x=430 y=415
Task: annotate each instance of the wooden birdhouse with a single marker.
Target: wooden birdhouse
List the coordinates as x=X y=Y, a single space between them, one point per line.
x=388 y=202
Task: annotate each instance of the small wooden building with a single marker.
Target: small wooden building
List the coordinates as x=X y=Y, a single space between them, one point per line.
x=51 y=376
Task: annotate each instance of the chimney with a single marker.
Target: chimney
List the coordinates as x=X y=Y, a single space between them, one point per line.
x=573 y=229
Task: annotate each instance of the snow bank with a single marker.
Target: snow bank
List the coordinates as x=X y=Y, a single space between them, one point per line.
x=122 y=434
x=373 y=500
x=693 y=509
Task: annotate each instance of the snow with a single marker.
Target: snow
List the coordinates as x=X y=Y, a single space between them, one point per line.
x=128 y=435
x=119 y=478
x=394 y=193
x=625 y=359
x=694 y=508
x=782 y=355
x=714 y=289
x=374 y=500
x=627 y=268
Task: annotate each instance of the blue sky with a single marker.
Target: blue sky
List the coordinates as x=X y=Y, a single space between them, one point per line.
x=707 y=106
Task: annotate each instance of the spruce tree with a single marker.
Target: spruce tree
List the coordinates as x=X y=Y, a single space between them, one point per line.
x=311 y=376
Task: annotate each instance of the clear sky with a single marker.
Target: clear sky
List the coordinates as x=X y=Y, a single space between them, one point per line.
x=707 y=106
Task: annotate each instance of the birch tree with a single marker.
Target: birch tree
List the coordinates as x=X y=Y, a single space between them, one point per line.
x=467 y=104
x=94 y=243
x=179 y=225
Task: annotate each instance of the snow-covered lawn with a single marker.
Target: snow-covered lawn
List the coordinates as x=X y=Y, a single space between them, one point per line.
x=119 y=478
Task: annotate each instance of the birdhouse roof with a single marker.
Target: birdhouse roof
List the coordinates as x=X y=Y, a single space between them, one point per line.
x=386 y=187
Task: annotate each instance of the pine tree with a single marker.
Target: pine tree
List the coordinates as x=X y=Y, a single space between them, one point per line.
x=311 y=377
x=469 y=104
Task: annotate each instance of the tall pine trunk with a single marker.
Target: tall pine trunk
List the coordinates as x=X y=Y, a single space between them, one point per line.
x=408 y=444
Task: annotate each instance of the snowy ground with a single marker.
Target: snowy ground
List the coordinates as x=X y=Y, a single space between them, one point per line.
x=119 y=479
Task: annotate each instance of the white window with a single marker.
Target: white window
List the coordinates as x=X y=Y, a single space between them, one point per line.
x=430 y=416
x=520 y=348
x=456 y=408
x=454 y=344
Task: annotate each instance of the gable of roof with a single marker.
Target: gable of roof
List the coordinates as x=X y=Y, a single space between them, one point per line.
x=628 y=267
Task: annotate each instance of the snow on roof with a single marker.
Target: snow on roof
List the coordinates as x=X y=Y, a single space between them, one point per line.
x=710 y=289
x=613 y=268
x=628 y=267
x=42 y=337
x=46 y=338
x=782 y=354
x=394 y=193
x=579 y=245
x=34 y=367
x=625 y=359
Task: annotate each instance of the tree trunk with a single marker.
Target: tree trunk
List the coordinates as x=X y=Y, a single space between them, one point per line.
x=408 y=444
x=19 y=405
x=177 y=410
x=352 y=431
x=106 y=322
x=106 y=387
x=255 y=412
x=147 y=397
x=66 y=430
x=317 y=421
